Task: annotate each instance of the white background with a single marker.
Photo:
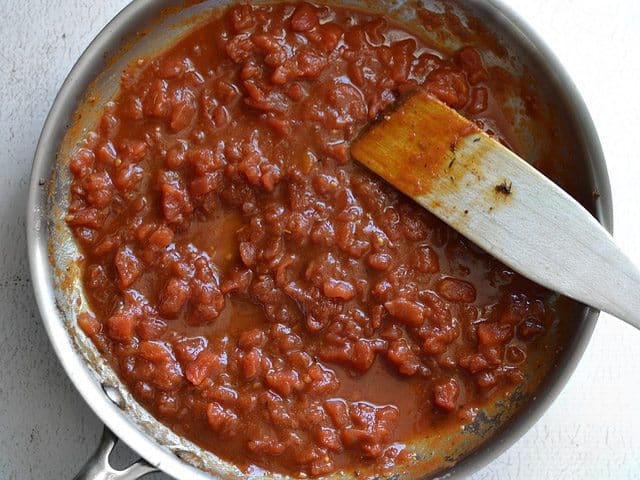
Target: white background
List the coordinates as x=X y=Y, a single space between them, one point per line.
x=46 y=431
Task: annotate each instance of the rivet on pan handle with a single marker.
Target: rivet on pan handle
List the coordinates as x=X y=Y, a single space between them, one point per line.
x=99 y=468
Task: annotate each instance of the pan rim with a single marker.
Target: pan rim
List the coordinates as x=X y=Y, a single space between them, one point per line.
x=42 y=274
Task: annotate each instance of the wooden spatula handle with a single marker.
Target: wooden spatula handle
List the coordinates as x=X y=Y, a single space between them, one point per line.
x=500 y=202
x=541 y=232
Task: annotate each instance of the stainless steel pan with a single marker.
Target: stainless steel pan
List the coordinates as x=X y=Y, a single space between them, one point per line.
x=53 y=254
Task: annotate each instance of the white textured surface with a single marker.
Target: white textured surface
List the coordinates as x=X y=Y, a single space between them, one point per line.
x=46 y=432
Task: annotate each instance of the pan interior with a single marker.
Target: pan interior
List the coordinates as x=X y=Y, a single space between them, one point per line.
x=97 y=81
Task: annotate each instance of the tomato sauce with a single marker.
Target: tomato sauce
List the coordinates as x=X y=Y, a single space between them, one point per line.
x=260 y=293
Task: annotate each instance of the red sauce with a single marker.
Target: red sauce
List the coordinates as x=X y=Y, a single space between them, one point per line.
x=260 y=293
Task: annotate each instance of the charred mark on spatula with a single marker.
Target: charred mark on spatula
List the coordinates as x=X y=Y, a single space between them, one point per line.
x=452 y=149
x=504 y=187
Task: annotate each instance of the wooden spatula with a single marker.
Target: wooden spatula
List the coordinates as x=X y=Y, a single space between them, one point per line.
x=497 y=200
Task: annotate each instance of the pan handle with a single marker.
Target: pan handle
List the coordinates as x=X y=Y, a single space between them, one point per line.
x=99 y=468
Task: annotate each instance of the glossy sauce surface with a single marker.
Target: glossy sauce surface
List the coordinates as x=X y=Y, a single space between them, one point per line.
x=259 y=292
